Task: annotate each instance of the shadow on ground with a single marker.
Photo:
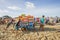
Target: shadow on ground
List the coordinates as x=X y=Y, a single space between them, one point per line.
x=45 y=29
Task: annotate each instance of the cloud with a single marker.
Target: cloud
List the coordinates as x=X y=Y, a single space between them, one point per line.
x=14 y=8
x=4 y=11
x=29 y=5
x=44 y=11
x=2 y=1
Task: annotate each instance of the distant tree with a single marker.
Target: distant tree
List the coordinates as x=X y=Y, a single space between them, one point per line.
x=6 y=16
x=0 y=18
x=23 y=15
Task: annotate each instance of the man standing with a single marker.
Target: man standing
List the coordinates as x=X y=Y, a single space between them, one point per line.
x=47 y=20
x=42 y=21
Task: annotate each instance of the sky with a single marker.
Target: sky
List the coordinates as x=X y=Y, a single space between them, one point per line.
x=36 y=8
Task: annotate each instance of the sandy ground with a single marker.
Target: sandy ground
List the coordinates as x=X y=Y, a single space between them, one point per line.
x=50 y=33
